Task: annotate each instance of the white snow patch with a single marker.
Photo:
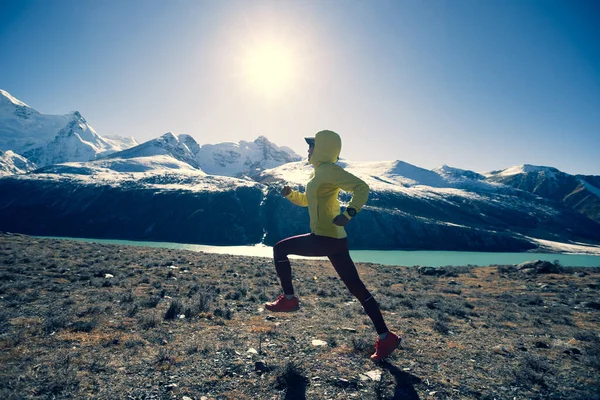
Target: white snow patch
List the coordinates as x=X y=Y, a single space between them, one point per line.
x=12 y=163
x=568 y=248
x=7 y=96
x=525 y=169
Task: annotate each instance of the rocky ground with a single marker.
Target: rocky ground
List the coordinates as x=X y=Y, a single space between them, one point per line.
x=80 y=320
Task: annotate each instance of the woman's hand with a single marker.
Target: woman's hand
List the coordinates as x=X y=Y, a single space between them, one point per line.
x=286 y=191
x=341 y=220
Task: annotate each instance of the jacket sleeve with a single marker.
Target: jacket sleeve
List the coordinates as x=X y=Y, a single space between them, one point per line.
x=337 y=176
x=298 y=198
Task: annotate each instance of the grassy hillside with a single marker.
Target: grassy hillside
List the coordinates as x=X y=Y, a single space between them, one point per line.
x=81 y=320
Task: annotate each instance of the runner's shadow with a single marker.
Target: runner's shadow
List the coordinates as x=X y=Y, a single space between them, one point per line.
x=405 y=382
x=294 y=382
x=297 y=392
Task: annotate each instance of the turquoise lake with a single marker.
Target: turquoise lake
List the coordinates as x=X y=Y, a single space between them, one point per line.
x=388 y=257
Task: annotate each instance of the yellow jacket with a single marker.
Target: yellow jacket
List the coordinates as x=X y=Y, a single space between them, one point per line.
x=322 y=189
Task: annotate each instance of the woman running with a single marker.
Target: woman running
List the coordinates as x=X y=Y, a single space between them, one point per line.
x=328 y=237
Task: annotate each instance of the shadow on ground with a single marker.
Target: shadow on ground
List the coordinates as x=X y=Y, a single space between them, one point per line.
x=405 y=382
x=294 y=381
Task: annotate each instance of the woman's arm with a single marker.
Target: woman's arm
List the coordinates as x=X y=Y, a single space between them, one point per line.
x=295 y=196
x=339 y=177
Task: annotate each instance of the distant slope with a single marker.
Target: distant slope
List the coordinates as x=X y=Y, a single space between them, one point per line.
x=578 y=192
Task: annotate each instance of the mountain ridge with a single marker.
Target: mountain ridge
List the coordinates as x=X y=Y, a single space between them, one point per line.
x=409 y=207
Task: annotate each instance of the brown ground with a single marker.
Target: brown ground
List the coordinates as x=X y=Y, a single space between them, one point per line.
x=68 y=331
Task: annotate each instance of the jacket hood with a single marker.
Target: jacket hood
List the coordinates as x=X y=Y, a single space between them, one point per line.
x=328 y=146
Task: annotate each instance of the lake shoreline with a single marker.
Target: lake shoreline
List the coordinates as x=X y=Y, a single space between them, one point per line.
x=433 y=258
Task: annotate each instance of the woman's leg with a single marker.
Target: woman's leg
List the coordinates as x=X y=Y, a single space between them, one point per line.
x=346 y=269
x=308 y=245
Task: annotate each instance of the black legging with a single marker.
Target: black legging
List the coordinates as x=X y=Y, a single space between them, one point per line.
x=336 y=250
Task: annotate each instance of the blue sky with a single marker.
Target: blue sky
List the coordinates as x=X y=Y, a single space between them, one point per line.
x=478 y=85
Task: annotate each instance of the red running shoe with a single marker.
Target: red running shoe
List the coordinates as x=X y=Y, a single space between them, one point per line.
x=384 y=347
x=281 y=304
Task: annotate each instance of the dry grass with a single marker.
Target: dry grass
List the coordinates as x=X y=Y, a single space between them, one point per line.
x=68 y=331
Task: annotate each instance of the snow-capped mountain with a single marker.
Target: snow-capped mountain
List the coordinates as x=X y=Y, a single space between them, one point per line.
x=579 y=192
x=12 y=163
x=174 y=189
x=179 y=147
x=225 y=159
x=162 y=196
x=243 y=158
x=389 y=176
x=49 y=139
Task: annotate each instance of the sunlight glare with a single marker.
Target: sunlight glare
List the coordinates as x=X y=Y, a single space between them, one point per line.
x=269 y=69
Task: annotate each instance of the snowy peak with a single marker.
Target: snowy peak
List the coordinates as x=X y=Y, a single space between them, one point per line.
x=531 y=177
x=48 y=139
x=226 y=159
x=76 y=141
x=14 y=115
x=389 y=176
x=179 y=147
x=577 y=192
x=527 y=169
x=459 y=177
x=243 y=158
x=6 y=99
x=395 y=173
x=11 y=163
x=451 y=172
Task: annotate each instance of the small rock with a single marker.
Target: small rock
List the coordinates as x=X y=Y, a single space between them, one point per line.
x=181 y=316
x=343 y=383
x=375 y=375
x=252 y=350
x=499 y=349
x=171 y=386
x=351 y=330
x=453 y=282
x=270 y=318
x=108 y=276
x=542 y=345
x=188 y=398
x=317 y=342
x=173 y=267
x=540 y=267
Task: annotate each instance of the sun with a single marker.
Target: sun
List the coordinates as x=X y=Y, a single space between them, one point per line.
x=269 y=69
